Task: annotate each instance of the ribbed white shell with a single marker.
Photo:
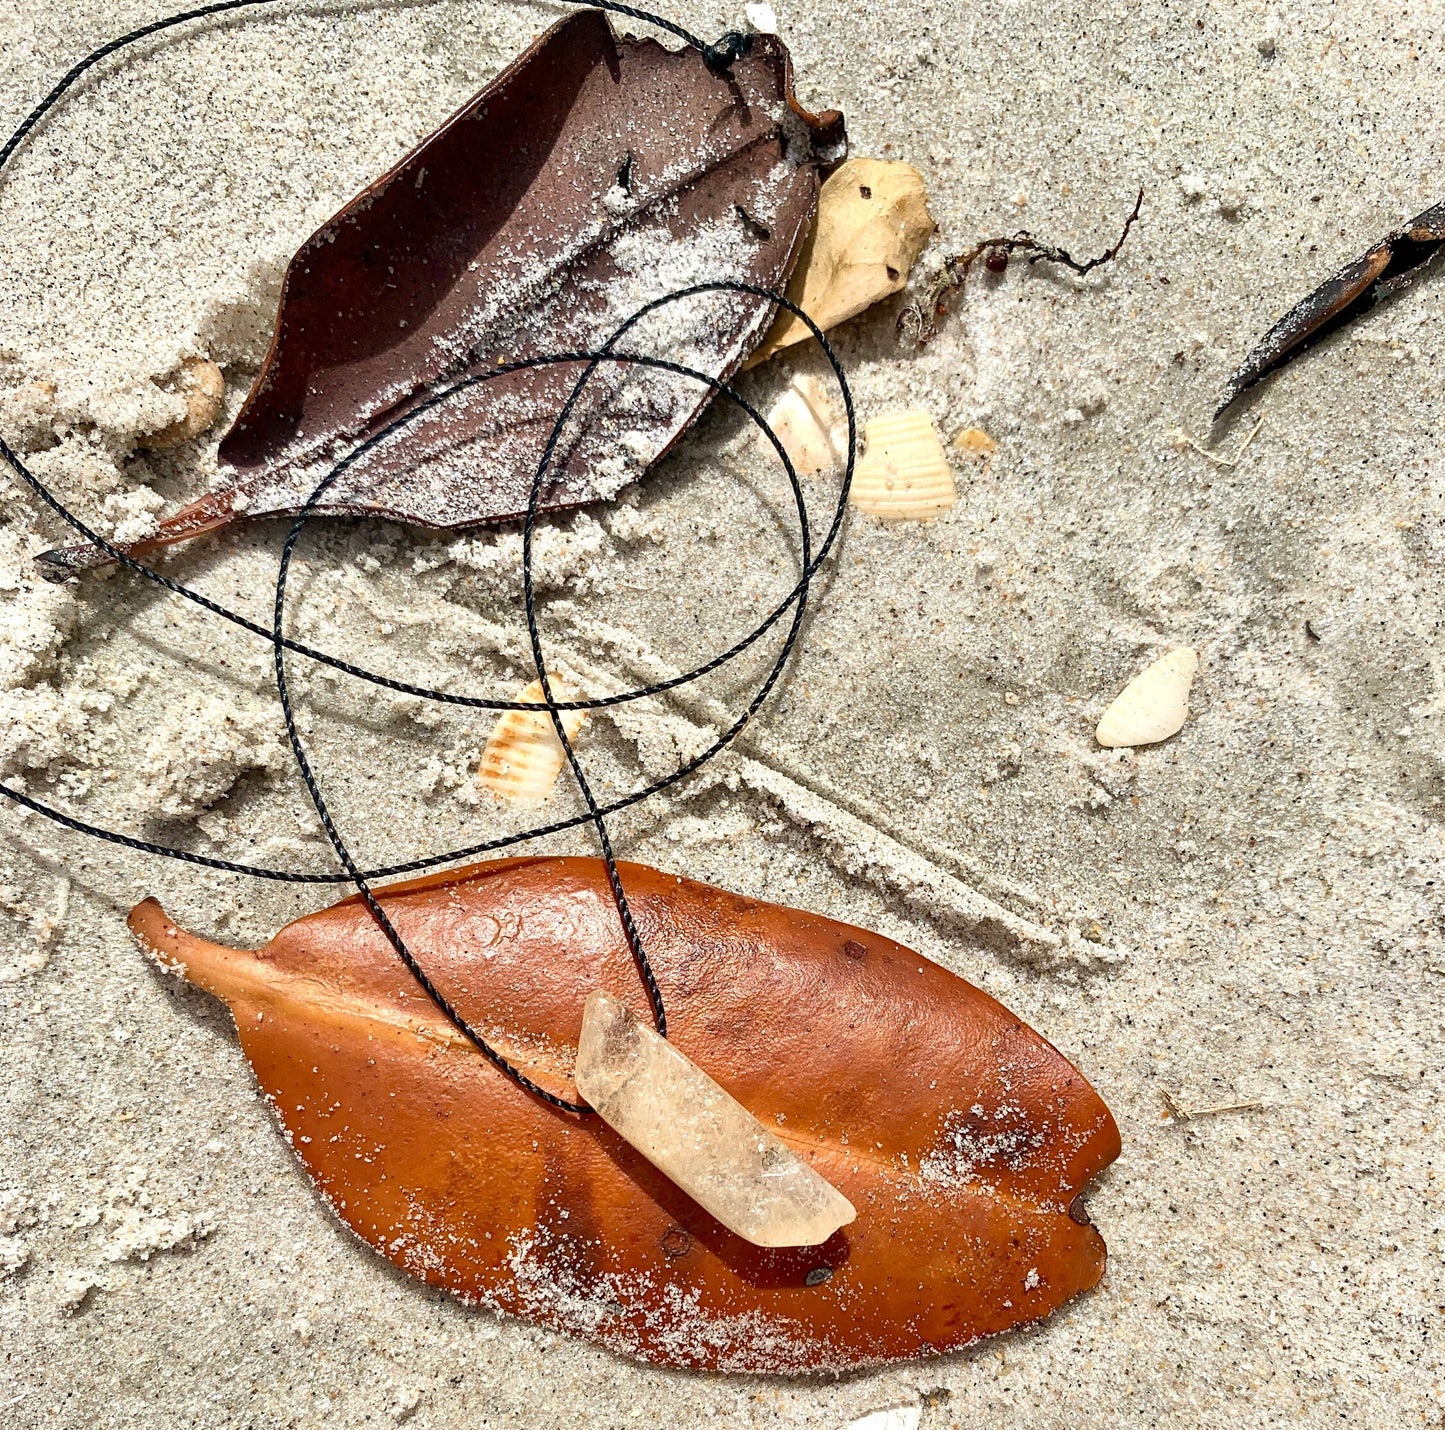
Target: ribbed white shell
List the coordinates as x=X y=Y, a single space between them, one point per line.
x=903 y=474
x=524 y=756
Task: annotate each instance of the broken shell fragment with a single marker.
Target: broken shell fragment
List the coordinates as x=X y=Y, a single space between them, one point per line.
x=903 y=474
x=1154 y=705
x=523 y=756
x=975 y=441
x=697 y=1134
x=806 y=424
x=872 y=223
x=203 y=387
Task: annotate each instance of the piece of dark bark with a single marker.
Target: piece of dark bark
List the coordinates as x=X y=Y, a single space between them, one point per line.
x=1390 y=266
x=596 y=173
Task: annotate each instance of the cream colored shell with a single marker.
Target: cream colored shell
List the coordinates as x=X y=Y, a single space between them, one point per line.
x=872 y=223
x=203 y=387
x=524 y=756
x=808 y=426
x=903 y=474
x=1154 y=705
x=975 y=442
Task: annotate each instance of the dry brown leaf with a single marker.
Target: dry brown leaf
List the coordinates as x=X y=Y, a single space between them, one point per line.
x=595 y=174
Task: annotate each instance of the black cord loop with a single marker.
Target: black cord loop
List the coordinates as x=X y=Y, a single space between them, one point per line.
x=719 y=57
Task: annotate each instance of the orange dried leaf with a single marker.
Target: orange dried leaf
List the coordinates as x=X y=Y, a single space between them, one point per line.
x=962 y=1138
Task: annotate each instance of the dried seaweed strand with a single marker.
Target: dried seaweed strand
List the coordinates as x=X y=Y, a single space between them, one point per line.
x=919 y=320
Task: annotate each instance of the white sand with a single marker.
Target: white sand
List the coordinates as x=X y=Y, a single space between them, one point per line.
x=1251 y=911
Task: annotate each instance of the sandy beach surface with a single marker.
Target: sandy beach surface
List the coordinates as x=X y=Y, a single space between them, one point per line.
x=1252 y=912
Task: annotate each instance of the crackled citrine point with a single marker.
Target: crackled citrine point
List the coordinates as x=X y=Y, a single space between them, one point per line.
x=700 y=1136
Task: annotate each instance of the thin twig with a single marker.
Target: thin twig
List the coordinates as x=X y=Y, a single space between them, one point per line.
x=1181 y=1114
x=919 y=319
x=1173 y=1108
x=1185 y=440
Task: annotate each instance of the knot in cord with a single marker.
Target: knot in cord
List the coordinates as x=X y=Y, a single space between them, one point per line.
x=726 y=50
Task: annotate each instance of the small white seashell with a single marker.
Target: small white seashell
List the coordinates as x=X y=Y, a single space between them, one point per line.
x=524 y=756
x=903 y=474
x=1154 y=705
x=806 y=424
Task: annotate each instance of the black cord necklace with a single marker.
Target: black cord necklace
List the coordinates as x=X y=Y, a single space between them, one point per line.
x=719 y=57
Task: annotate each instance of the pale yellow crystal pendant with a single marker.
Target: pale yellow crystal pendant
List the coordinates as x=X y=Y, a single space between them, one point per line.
x=700 y=1136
